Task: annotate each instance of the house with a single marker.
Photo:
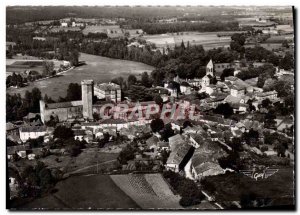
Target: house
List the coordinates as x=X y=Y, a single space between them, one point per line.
x=64 y=24
x=219 y=67
x=20 y=150
x=179 y=157
x=173 y=88
x=207 y=169
x=216 y=136
x=272 y=95
x=215 y=99
x=32 y=132
x=185 y=88
x=251 y=124
x=12 y=129
x=108 y=91
x=162 y=145
x=176 y=140
x=196 y=139
x=205 y=160
x=39 y=38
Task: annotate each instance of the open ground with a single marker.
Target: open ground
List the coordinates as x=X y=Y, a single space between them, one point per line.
x=97 y=68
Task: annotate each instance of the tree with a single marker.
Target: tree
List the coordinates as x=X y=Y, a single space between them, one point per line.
x=145 y=80
x=266 y=103
x=280 y=149
x=48 y=68
x=157 y=125
x=73 y=92
x=225 y=109
x=158 y=100
x=167 y=132
x=287 y=62
x=63 y=132
x=126 y=154
x=237 y=42
x=74 y=57
x=131 y=80
x=285 y=44
x=227 y=72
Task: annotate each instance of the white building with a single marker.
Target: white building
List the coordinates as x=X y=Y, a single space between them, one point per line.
x=64 y=24
x=32 y=132
x=108 y=91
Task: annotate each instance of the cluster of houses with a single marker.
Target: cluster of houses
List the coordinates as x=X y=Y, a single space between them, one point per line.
x=232 y=90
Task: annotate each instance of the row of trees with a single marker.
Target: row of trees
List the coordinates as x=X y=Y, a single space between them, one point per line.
x=162 y=28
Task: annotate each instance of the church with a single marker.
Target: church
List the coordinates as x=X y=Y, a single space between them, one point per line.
x=209 y=77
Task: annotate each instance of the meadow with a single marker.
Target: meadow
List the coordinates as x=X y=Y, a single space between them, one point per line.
x=208 y=39
x=100 y=69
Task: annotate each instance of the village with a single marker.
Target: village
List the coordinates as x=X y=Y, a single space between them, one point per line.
x=189 y=147
x=196 y=140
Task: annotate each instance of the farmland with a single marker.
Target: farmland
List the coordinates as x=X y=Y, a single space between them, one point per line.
x=85 y=192
x=148 y=190
x=100 y=69
x=208 y=40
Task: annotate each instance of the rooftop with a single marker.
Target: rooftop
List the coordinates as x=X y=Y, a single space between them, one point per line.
x=33 y=129
x=108 y=86
x=63 y=104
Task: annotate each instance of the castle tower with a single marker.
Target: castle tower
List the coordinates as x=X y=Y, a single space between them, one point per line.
x=210 y=68
x=87 y=98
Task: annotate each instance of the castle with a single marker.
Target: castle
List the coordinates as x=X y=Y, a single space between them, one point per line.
x=82 y=109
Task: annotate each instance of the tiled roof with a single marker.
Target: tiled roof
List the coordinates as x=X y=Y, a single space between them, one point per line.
x=33 y=129
x=178 y=153
x=63 y=104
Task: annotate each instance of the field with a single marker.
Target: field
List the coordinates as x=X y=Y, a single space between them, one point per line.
x=100 y=69
x=110 y=30
x=208 y=40
x=149 y=191
x=85 y=192
x=19 y=65
x=85 y=161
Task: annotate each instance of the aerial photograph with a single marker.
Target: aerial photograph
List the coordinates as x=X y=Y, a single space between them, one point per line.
x=147 y=108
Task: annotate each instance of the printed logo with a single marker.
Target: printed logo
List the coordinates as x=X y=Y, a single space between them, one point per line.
x=262 y=174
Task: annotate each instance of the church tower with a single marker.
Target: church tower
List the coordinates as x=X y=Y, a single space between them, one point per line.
x=87 y=98
x=210 y=68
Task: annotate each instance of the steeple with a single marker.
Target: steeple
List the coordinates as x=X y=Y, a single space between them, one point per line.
x=210 y=68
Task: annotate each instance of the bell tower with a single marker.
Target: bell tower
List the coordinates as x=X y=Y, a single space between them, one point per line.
x=210 y=68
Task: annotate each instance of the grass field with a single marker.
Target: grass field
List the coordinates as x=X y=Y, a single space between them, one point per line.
x=208 y=40
x=88 y=158
x=85 y=192
x=100 y=69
